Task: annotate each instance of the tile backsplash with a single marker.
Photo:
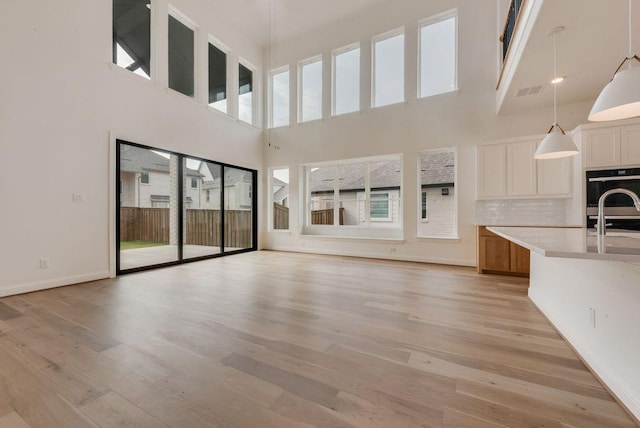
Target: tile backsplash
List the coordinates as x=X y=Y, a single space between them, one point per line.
x=520 y=212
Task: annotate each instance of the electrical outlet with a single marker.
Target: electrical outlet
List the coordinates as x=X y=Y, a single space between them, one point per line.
x=77 y=197
x=44 y=263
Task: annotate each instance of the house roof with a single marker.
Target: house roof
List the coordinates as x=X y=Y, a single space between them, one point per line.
x=136 y=159
x=437 y=168
x=384 y=175
x=232 y=176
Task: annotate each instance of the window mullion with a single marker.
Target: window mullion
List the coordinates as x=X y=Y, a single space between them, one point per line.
x=367 y=194
x=336 y=197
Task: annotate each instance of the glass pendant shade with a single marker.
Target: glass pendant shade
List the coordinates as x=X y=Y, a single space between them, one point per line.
x=556 y=144
x=620 y=99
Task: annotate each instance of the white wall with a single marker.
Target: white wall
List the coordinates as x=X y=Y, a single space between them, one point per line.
x=463 y=119
x=62 y=104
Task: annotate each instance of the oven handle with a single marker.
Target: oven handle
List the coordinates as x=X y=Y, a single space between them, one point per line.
x=619 y=178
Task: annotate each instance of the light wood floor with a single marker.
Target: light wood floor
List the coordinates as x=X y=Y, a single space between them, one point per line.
x=280 y=340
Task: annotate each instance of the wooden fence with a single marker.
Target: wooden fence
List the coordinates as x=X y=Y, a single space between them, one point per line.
x=202 y=226
x=326 y=216
x=280 y=217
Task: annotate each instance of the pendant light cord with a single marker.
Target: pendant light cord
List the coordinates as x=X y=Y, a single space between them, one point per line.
x=555 y=75
x=630 y=32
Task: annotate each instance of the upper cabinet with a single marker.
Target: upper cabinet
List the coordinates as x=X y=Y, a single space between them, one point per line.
x=492 y=171
x=601 y=147
x=509 y=171
x=521 y=171
x=611 y=147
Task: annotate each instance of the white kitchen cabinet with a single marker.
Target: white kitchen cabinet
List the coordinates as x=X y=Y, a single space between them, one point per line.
x=555 y=177
x=601 y=147
x=630 y=145
x=509 y=171
x=521 y=169
x=491 y=171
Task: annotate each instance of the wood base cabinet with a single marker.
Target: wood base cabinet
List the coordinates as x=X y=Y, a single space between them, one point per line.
x=501 y=256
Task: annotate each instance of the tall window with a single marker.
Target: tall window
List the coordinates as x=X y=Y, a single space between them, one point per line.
x=279 y=204
x=217 y=78
x=181 y=57
x=388 y=69
x=346 y=80
x=310 y=98
x=132 y=36
x=363 y=192
x=280 y=97
x=438 y=217
x=245 y=97
x=438 y=54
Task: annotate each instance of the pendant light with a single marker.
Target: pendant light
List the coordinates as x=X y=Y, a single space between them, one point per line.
x=556 y=144
x=620 y=99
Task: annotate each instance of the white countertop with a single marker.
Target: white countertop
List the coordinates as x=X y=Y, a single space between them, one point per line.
x=576 y=243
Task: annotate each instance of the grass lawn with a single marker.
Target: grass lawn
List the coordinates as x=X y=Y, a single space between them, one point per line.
x=130 y=245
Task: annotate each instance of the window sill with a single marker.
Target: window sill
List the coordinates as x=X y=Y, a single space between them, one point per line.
x=440 y=94
x=353 y=238
x=389 y=106
x=123 y=71
x=320 y=119
x=221 y=113
x=248 y=125
x=452 y=239
x=280 y=231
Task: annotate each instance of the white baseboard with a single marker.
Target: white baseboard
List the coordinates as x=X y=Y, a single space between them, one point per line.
x=398 y=257
x=614 y=384
x=51 y=283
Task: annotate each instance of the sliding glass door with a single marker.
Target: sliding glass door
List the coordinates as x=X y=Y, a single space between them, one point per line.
x=173 y=208
x=202 y=209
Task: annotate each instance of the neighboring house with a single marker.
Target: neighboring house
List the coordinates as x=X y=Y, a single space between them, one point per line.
x=280 y=192
x=145 y=180
x=237 y=188
x=384 y=207
x=437 y=179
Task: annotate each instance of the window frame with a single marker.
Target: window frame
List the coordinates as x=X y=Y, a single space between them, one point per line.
x=152 y=41
x=306 y=199
x=380 y=38
x=272 y=74
x=190 y=24
x=253 y=69
x=270 y=200
x=434 y=19
x=227 y=51
x=335 y=53
x=301 y=64
x=194 y=180
x=456 y=232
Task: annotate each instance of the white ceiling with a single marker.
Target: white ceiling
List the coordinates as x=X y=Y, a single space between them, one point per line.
x=591 y=47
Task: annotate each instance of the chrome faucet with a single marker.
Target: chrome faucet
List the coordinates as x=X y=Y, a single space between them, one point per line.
x=601 y=226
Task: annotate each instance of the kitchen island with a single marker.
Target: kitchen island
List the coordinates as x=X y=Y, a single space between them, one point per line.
x=589 y=289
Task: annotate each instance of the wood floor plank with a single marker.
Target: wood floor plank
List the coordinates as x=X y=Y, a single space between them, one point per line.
x=280 y=340
x=13 y=420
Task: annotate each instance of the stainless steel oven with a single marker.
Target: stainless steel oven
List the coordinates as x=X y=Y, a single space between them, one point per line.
x=619 y=209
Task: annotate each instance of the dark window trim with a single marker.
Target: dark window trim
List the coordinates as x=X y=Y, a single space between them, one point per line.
x=181 y=260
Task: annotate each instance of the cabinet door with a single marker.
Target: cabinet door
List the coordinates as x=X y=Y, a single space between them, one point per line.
x=630 y=146
x=520 y=259
x=602 y=147
x=491 y=171
x=555 y=177
x=494 y=254
x=521 y=169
